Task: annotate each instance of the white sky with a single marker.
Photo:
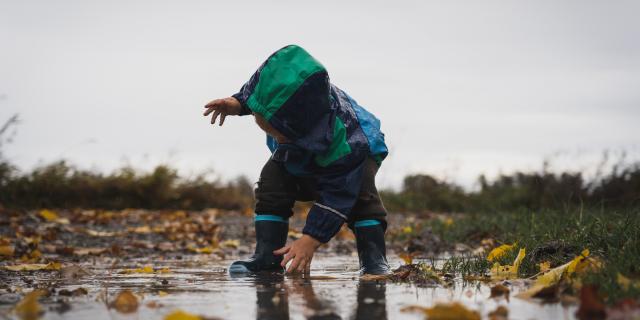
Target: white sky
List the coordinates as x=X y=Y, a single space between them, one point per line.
x=461 y=87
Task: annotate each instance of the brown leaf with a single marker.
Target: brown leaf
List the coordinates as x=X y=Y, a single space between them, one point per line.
x=500 y=313
x=125 y=302
x=591 y=306
x=500 y=290
x=29 y=308
x=6 y=250
x=441 y=311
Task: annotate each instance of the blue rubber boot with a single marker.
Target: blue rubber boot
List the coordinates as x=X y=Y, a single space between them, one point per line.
x=371 y=247
x=271 y=234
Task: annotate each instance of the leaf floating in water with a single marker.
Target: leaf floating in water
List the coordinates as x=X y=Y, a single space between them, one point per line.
x=29 y=308
x=181 y=315
x=500 y=313
x=125 y=302
x=452 y=311
x=34 y=266
x=500 y=290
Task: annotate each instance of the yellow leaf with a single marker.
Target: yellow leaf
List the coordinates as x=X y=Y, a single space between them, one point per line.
x=125 y=302
x=49 y=215
x=181 y=315
x=407 y=229
x=34 y=266
x=406 y=257
x=141 y=230
x=29 y=308
x=578 y=265
x=545 y=266
x=627 y=283
x=499 y=272
x=205 y=250
x=453 y=311
x=164 y=270
x=230 y=243
x=162 y=293
x=145 y=269
x=500 y=251
x=448 y=222
x=6 y=251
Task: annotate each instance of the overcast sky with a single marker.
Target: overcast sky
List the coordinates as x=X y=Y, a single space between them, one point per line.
x=462 y=87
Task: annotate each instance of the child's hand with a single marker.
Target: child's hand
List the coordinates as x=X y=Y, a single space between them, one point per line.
x=222 y=108
x=300 y=252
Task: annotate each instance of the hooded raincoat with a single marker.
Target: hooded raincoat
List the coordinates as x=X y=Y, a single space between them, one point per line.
x=331 y=135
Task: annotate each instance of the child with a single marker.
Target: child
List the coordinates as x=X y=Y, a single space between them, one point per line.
x=325 y=148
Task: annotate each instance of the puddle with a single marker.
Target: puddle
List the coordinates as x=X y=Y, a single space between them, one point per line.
x=202 y=286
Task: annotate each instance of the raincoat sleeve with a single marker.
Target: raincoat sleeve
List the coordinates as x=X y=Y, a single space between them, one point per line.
x=338 y=191
x=245 y=92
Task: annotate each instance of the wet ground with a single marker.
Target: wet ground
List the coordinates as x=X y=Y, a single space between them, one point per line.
x=201 y=286
x=185 y=271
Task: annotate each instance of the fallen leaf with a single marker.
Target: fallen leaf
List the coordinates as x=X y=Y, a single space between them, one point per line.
x=627 y=283
x=406 y=257
x=545 y=266
x=89 y=251
x=49 y=215
x=500 y=272
x=452 y=311
x=154 y=304
x=29 y=308
x=500 y=251
x=500 y=290
x=6 y=250
x=500 y=313
x=125 y=302
x=407 y=229
x=140 y=230
x=578 y=265
x=231 y=243
x=181 y=315
x=162 y=293
x=145 y=269
x=591 y=306
x=34 y=266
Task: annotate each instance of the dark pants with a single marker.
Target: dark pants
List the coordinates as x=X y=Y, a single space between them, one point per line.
x=278 y=190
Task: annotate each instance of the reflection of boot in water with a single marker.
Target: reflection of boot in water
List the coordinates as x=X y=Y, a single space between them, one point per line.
x=371 y=247
x=316 y=308
x=372 y=303
x=272 y=302
x=271 y=234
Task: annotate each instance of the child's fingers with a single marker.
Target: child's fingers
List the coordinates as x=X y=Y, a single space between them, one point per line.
x=209 y=110
x=215 y=116
x=286 y=259
x=294 y=265
x=282 y=250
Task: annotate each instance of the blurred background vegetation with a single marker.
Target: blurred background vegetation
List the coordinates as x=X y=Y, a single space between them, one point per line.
x=61 y=185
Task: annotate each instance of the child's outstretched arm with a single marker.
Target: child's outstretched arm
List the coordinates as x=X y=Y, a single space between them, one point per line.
x=223 y=108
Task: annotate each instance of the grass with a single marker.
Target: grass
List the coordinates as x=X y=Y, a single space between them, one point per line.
x=554 y=236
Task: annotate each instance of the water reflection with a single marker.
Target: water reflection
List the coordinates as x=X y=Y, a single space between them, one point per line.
x=274 y=295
